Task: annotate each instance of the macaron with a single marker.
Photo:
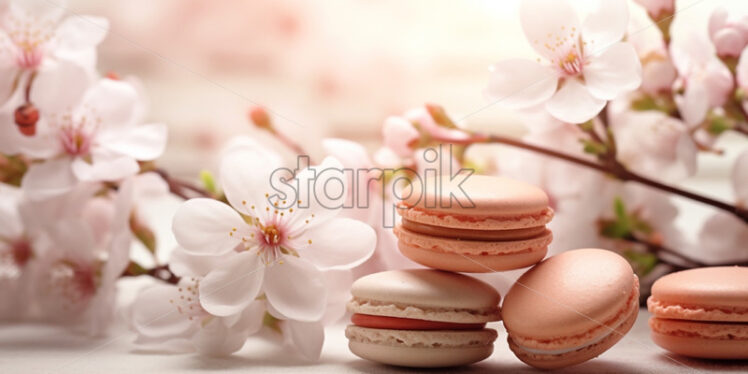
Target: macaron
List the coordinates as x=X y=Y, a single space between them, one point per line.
x=422 y=318
x=570 y=308
x=483 y=224
x=702 y=312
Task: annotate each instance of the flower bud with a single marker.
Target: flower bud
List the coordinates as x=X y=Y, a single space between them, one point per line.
x=26 y=117
x=260 y=118
x=658 y=9
x=729 y=36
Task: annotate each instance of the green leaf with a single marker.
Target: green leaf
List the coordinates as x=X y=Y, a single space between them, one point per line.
x=594 y=147
x=271 y=322
x=208 y=181
x=643 y=263
x=718 y=125
x=621 y=226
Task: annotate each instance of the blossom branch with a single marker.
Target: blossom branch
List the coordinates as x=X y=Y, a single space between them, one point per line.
x=179 y=187
x=609 y=166
x=160 y=272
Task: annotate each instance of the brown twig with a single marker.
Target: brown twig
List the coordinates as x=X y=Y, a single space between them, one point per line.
x=179 y=187
x=160 y=272
x=611 y=167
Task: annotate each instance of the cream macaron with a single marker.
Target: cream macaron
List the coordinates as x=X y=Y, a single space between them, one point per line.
x=570 y=308
x=484 y=224
x=422 y=318
x=702 y=312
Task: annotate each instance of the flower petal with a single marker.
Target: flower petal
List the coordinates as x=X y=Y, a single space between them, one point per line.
x=341 y=243
x=105 y=168
x=49 y=178
x=144 y=142
x=115 y=102
x=616 y=70
x=245 y=177
x=296 y=289
x=184 y=264
x=546 y=21
x=153 y=316
x=693 y=104
x=205 y=227
x=349 y=153
x=573 y=103
x=59 y=86
x=322 y=190
x=233 y=285
x=217 y=339
x=80 y=31
x=605 y=26
x=520 y=83
x=307 y=337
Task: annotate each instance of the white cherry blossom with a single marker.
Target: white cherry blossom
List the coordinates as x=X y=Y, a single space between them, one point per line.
x=35 y=38
x=584 y=64
x=96 y=139
x=278 y=244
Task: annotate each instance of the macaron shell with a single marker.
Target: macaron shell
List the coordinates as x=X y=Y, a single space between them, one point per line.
x=420 y=357
x=696 y=313
x=569 y=294
x=472 y=247
x=694 y=346
x=464 y=220
x=415 y=348
x=574 y=357
x=703 y=294
x=476 y=195
x=425 y=294
x=472 y=263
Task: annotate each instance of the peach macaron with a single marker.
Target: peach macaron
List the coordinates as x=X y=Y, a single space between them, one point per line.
x=422 y=318
x=702 y=312
x=485 y=224
x=570 y=308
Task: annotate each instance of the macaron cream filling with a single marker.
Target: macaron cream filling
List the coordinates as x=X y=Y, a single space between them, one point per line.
x=397 y=323
x=469 y=234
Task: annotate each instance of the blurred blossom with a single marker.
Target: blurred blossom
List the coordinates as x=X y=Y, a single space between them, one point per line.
x=369 y=201
x=729 y=34
x=34 y=39
x=706 y=82
x=400 y=135
x=658 y=8
x=169 y=316
x=721 y=239
x=586 y=63
x=654 y=144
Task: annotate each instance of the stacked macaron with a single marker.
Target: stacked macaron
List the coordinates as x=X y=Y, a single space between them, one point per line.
x=563 y=311
x=702 y=312
x=422 y=318
x=484 y=224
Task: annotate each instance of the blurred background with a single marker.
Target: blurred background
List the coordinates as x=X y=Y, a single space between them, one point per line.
x=332 y=68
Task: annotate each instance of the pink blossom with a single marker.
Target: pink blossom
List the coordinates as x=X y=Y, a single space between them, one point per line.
x=400 y=135
x=586 y=63
x=657 y=8
x=98 y=139
x=654 y=144
x=705 y=80
x=729 y=34
x=33 y=38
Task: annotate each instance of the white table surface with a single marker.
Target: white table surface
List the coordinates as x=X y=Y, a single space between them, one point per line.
x=44 y=349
